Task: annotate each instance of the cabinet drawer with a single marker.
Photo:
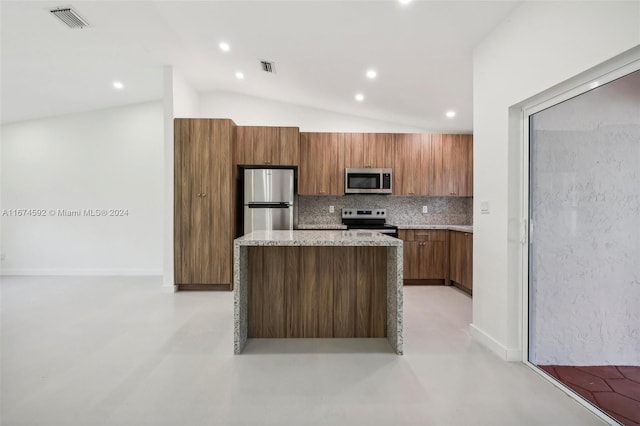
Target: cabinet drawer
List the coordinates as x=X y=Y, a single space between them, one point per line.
x=429 y=235
x=422 y=234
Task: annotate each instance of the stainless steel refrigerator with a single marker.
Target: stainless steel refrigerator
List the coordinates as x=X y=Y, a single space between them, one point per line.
x=268 y=199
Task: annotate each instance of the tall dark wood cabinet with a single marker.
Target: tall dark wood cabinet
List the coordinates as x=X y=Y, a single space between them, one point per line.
x=204 y=203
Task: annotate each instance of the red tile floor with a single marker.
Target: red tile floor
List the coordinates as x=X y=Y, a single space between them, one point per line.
x=614 y=389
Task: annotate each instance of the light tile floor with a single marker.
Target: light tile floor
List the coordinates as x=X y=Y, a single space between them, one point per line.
x=119 y=351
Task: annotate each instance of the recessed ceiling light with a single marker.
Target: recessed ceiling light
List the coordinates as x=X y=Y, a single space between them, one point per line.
x=371 y=74
x=118 y=85
x=239 y=75
x=359 y=97
x=224 y=46
x=451 y=114
x=404 y=1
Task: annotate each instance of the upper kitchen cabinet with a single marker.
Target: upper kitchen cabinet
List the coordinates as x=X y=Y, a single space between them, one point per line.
x=269 y=146
x=321 y=164
x=452 y=165
x=412 y=164
x=203 y=203
x=364 y=150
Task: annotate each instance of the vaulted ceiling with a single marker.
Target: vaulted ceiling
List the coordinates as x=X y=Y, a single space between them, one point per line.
x=422 y=52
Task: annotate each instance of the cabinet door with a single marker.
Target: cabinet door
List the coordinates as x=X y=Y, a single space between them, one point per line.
x=203 y=221
x=251 y=145
x=433 y=245
x=378 y=150
x=270 y=146
x=468 y=261
x=452 y=171
x=461 y=258
x=411 y=255
x=190 y=143
x=456 y=253
x=412 y=164
x=321 y=164
x=365 y=150
x=219 y=203
x=462 y=165
x=286 y=149
x=354 y=150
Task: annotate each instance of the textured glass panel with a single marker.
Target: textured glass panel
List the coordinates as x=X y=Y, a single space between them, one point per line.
x=584 y=257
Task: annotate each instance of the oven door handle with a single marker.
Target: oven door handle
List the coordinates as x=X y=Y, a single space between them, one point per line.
x=382 y=231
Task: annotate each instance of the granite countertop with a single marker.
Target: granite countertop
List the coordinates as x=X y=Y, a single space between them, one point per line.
x=317 y=238
x=328 y=226
x=463 y=228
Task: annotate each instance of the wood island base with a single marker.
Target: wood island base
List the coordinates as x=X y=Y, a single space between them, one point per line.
x=298 y=284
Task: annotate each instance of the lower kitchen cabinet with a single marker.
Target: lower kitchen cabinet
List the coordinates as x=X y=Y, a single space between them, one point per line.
x=461 y=260
x=425 y=255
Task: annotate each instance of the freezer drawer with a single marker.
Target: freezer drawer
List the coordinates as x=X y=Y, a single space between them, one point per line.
x=268 y=185
x=268 y=217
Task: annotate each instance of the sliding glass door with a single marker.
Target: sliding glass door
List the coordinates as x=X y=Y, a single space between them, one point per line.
x=584 y=242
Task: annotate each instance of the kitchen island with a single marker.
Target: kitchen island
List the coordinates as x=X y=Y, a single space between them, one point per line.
x=317 y=284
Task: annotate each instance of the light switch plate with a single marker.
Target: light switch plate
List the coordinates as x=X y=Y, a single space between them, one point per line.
x=484 y=207
x=425 y=209
x=332 y=209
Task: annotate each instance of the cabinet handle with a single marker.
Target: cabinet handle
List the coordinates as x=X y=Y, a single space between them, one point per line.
x=199 y=194
x=411 y=193
x=204 y=195
x=452 y=193
x=267 y=162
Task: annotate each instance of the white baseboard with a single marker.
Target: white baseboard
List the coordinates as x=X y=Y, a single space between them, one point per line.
x=494 y=346
x=80 y=272
x=169 y=288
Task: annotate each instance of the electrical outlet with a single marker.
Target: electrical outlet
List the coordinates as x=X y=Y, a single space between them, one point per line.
x=332 y=209
x=484 y=207
x=425 y=209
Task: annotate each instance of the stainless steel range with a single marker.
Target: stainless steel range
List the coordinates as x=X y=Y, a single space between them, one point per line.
x=368 y=220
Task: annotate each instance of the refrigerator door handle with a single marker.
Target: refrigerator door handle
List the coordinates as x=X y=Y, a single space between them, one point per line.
x=268 y=205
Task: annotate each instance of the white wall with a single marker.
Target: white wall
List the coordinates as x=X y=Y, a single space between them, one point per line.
x=538 y=46
x=251 y=111
x=185 y=100
x=107 y=159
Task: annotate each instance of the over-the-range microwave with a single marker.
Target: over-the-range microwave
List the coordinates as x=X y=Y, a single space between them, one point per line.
x=368 y=181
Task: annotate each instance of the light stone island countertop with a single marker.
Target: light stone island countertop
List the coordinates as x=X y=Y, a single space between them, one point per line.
x=463 y=228
x=317 y=238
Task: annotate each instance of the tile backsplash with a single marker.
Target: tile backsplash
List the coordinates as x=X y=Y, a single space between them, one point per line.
x=401 y=210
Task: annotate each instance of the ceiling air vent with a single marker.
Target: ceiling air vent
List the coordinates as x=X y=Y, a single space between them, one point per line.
x=69 y=17
x=268 y=66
